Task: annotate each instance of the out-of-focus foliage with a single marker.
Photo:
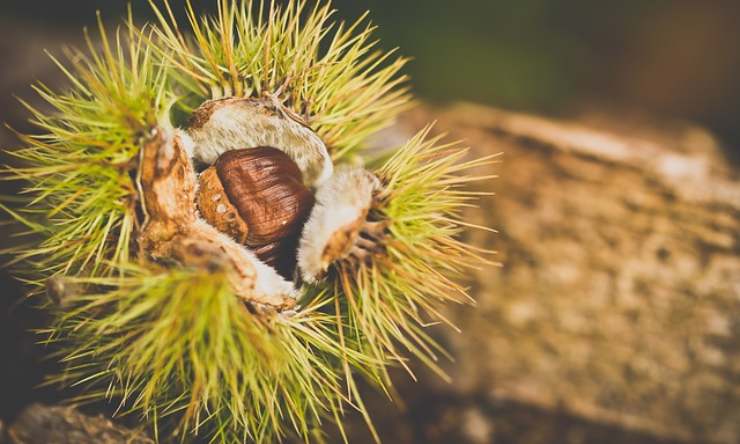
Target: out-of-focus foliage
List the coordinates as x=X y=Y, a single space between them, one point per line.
x=676 y=58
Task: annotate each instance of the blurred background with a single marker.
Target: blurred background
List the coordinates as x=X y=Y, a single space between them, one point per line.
x=676 y=59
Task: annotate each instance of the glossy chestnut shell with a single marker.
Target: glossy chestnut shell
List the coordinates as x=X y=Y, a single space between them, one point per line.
x=257 y=197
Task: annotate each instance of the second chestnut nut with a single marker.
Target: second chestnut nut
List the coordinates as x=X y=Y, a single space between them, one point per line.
x=257 y=197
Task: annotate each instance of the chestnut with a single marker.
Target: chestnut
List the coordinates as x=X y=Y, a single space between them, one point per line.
x=257 y=197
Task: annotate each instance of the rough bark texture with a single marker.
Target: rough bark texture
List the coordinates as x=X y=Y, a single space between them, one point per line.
x=65 y=425
x=619 y=296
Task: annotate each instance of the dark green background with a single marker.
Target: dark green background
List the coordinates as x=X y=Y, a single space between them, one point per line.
x=671 y=58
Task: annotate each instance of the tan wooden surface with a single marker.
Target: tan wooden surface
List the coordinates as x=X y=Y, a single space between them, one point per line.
x=619 y=295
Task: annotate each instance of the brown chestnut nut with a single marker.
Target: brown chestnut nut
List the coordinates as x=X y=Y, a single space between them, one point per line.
x=257 y=197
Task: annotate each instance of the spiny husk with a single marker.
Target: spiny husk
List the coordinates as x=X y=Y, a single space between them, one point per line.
x=330 y=74
x=388 y=302
x=179 y=344
x=79 y=197
x=174 y=345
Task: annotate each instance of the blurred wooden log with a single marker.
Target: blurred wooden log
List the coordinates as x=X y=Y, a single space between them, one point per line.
x=619 y=295
x=65 y=425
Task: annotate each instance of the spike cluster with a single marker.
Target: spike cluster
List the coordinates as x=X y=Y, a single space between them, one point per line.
x=226 y=272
